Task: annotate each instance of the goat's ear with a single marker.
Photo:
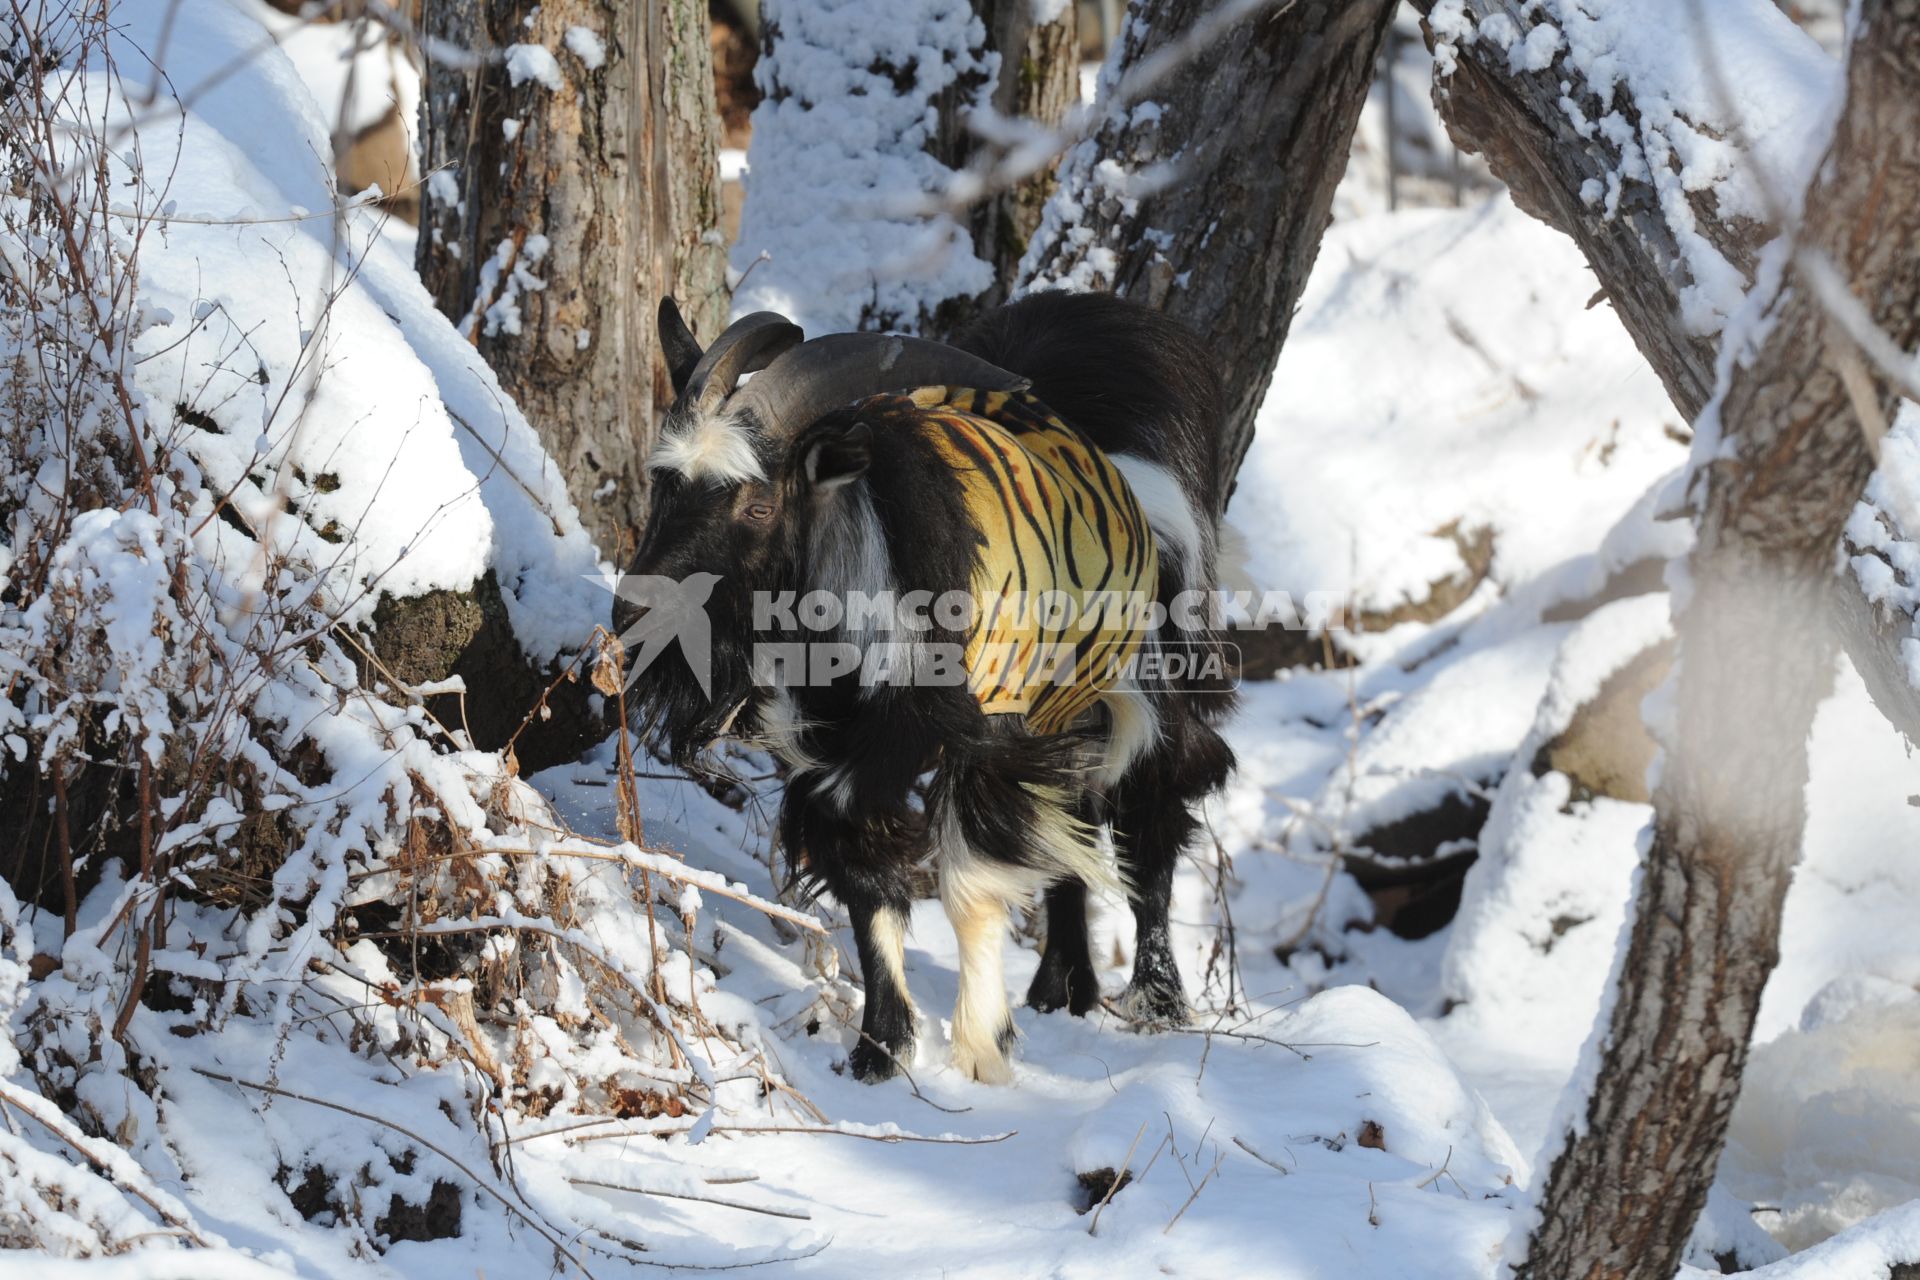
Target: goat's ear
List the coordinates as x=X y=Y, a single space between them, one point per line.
x=839 y=457
x=677 y=344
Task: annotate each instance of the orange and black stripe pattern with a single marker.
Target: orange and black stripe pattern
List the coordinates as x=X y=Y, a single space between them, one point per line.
x=1069 y=563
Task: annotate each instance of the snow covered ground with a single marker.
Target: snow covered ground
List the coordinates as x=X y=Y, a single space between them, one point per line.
x=1391 y=416
x=1453 y=436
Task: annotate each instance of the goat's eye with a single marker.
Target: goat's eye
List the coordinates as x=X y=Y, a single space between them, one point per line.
x=759 y=511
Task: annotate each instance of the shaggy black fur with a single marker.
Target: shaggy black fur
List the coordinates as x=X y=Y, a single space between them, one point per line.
x=855 y=819
x=1131 y=379
x=1137 y=383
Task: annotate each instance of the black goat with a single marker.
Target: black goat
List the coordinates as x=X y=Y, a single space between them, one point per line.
x=1067 y=444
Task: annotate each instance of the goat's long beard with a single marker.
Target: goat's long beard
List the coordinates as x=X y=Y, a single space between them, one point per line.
x=675 y=717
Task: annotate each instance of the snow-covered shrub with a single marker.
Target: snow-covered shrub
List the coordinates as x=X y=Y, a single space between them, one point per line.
x=248 y=876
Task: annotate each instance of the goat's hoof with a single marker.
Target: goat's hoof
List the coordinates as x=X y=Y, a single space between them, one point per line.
x=873 y=1063
x=1075 y=990
x=988 y=1067
x=1153 y=1007
x=984 y=1057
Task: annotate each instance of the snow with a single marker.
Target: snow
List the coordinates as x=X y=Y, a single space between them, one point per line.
x=1346 y=1102
x=357 y=77
x=1084 y=1091
x=838 y=165
x=1828 y=1124
x=1513 y=990
x=587 y=46
x=1535 y=936
x=1538 y=419
x=536 y=63
x=432 y=507
x=1871 y=1248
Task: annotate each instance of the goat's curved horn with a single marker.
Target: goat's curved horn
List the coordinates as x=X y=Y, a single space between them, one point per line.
x=750 y=343
x=677 y=344
x=817 y=377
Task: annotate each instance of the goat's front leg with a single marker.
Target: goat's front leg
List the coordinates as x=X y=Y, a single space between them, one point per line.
x=982 y=1022
x=864 y=862
x=1000 y=833
x=886 y=1025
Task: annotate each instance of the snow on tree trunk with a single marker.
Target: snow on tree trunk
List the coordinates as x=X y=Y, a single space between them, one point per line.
x=1589 y=134
x=1591 y=137
x=1784 y=455
x=1037 y=83
x=857 y=96
x=572 y=180
x=1209 y=195
x=1876 y=608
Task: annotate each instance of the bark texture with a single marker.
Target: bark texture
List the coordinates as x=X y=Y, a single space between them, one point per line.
x=557 y=216
x=1038 y=82
x=1622 y=1196
x=1515 y=120
x=1221 y=181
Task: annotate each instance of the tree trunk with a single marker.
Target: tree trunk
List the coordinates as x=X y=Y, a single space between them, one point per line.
x=857 y=254
x=1516 y=119
x=1209 y=199
x=1621 y=1197
x=1876 y=633
x=573 y=180
x=1038 y=82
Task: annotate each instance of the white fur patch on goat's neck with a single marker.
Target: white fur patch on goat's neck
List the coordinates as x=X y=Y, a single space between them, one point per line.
x=711 y=447
x=850 y=555
x=1183 y=533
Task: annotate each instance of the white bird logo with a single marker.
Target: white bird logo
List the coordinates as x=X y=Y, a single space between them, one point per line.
x=673 y=610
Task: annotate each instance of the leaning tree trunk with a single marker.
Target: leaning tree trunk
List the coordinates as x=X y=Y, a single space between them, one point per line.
x=1518 y=121
x=572 y=181
x=1649 y=248
x=1622 y=1195
x=1206 y=193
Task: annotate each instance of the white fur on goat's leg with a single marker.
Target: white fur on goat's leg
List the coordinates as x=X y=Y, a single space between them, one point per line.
x=889 y=931
x=982 y=1022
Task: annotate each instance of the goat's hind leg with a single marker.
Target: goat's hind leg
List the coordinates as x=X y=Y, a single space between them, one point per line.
x=1149 y=845
x=1154 y=818
x=1066 y=978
